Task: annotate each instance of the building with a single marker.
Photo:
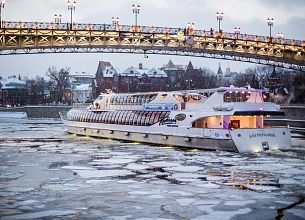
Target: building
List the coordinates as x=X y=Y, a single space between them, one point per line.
x=13 y=92
x=131 y=79
x=175 y=75
x=81 y=87
x=82 y=93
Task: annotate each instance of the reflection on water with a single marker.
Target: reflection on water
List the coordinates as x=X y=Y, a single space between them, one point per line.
x=45 y=173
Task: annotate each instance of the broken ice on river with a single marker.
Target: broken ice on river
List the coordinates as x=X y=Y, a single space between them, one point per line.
x=46 y=173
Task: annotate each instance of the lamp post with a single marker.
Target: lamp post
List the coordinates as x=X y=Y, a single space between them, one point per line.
x=237 y=31
x=190 y=28
x=57 y=18
x=136 y=11
x=2 y=3
x=219 y=16
x=280 y=35
x=270 y=24
x=71 y=7
x=115 y=22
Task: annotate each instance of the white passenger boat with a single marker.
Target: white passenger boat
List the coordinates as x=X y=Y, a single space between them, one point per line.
x=225 y=118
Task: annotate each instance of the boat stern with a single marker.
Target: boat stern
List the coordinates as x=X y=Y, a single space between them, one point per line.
x=255 y=140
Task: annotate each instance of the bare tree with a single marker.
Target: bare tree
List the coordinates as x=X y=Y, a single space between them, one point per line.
x=209 y=79
x=60 y=79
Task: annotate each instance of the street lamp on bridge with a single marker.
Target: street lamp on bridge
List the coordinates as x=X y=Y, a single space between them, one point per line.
x=136 y=11
x=280 y=35
x=115 y=22
x=2 y=3
x=71 y=7
x=219 y=16
x=270 y=24
x=57 y=18
x=237 y=31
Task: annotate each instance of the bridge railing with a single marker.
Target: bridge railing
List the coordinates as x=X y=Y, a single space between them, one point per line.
x=149 y=30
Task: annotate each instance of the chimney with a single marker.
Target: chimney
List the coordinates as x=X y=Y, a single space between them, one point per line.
x=140 y=66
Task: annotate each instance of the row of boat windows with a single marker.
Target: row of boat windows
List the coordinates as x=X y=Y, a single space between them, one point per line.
x=140 y=118
x=130 y=99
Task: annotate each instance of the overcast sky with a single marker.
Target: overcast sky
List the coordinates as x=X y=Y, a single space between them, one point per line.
x=250 y=16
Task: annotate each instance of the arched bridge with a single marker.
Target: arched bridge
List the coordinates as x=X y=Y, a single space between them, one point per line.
x=36 y=37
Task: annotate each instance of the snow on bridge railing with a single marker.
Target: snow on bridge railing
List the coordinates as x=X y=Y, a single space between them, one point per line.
x=149 y=29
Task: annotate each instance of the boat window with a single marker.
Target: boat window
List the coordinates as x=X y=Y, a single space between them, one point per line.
x=83 y=116
x=148 y=118
x=139 y=118
x=89 y=117
x=236 y=96
x=163 y=96
x=95 y=116
x=266 y=96
x=122 y=118
x=178 y=98
x=143 y=119
x=125 y=100
x=119 y=121
x=80 y=116
x=92 y=119
x=104 y=117
x=163 y=115
x=129 y=100
x=145 y=99
x=152 y=97
x=112 y=116
x=76 y=116
x=155 y=117
x=140 y=99
x=99 y=116
x=135 y=118
x=116 y=116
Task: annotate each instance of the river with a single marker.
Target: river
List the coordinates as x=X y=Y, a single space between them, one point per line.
x=47 y=173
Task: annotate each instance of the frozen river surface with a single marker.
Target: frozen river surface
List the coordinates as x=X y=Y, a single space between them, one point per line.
x=48 y=174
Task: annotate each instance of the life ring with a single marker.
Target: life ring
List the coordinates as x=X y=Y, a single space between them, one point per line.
x=175 y=106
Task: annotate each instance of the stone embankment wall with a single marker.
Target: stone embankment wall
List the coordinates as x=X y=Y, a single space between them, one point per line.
x=294 y=117
x=39 y=111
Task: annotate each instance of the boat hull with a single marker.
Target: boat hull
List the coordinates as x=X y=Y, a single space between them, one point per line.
x=241 y=140
x=255 y=140
x=144 y=136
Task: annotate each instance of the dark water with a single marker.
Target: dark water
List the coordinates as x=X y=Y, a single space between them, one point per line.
x=46 y=173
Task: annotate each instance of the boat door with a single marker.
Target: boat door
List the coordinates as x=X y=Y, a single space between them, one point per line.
x=235 y=124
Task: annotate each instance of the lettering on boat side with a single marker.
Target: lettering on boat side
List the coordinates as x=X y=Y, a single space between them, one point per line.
x=257 y=135
x=168 y=121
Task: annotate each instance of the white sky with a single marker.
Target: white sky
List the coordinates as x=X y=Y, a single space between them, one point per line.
x=250 y=16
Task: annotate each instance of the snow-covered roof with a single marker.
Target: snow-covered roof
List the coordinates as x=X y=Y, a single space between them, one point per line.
x=156 y=73
x=12 y=82
x=131 y=71
x=109 y=71
x=83 y=87
x=81 y=74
